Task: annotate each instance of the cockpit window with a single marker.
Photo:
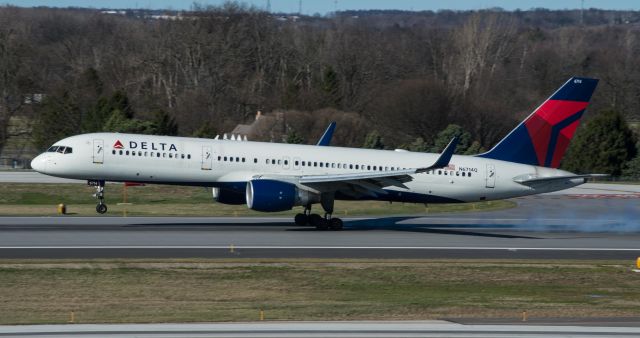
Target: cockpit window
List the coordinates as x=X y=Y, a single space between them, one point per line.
x=60 y=149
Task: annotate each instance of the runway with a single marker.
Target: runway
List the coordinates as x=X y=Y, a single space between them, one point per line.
x=549 y=227
x=435 y=328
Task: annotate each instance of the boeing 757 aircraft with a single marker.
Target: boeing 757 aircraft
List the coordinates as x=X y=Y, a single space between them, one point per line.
x=276 y=177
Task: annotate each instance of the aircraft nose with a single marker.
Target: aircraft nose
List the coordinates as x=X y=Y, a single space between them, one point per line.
x=39 y=163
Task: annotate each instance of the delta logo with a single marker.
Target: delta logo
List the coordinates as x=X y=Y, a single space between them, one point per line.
x=147 y=145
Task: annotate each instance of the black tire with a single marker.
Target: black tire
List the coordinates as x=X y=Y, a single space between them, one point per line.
x=101 y=208
x=301 y=219
x=335 y=224
x=318 y=222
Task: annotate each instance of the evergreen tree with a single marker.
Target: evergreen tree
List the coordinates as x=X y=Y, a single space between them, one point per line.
x=445 y=136
x=604 y=146
x=331 y=87
x=165 y=124
x=58 y=116
x=294 y=138
x=103 y=110
x=419 y=145
x=205 y=131
x=118 y=122
x=374 y=141
x=632 y=169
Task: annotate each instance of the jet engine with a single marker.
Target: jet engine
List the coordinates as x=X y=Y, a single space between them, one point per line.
x=272 y=195
x=226 y=196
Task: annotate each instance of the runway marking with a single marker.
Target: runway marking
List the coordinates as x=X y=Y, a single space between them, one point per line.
x=226 y=247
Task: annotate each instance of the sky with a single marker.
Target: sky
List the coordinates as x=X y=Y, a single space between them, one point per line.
x=310 y=7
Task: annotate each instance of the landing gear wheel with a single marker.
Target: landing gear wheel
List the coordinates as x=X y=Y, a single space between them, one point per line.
x=301 y=219
x=318 y=222
x=335 y=224
x=101 y=208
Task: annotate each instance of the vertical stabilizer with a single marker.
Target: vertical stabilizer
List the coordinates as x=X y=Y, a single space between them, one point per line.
x=543 y=137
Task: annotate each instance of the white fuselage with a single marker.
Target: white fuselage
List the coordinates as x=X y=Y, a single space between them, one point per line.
x=230 y=164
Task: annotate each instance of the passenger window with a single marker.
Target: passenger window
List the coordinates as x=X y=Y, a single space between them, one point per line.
x=140 y=153
x=469 y=175
x=267 y=161
x=170 y=155
x=219 y=158
x=273 y=161
x=286 y=162
x=243 y=160
x=296 y=163
x=321 y=164
x=189 y=156
x=279 y=162
x=133 y=153
x=255 y=160
x=439 y=172
x=333 y=165
x=237 y=159
x=315 y=164
x=127 y=152
x=230 y=158
x=113 y=152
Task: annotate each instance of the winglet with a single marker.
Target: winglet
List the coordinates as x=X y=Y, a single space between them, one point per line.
x=328 y=134
x=444 y=158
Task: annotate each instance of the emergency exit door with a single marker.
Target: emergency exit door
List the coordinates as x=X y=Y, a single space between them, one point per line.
x=491 y=176
x=98 y=151
x=207 y=158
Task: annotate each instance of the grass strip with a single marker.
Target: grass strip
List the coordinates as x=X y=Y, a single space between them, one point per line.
x=204 y=290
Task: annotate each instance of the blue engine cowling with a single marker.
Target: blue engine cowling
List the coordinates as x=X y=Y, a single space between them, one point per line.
x=226 y=196
x=272 y=195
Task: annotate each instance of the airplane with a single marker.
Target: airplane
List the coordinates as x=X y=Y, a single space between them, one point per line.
x=273 y=177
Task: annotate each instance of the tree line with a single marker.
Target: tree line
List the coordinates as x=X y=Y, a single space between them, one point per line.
x=392 y=78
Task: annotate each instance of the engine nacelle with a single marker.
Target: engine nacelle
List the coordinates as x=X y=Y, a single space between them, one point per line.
x=272 y=195
x=226 y=196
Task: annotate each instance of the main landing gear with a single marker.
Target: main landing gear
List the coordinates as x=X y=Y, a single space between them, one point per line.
x=101 y=208
x=321 y=223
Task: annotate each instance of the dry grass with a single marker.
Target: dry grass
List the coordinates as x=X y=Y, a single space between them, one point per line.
x=235 y=290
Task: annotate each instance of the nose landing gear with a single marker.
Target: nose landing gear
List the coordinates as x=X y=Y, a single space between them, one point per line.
x=101 y=208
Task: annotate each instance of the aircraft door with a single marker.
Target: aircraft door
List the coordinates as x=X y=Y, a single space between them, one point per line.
x=207 y=158
x=98 y=151
x=491 y=176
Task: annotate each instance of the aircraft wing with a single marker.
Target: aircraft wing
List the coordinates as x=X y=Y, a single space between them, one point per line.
x=369 y=183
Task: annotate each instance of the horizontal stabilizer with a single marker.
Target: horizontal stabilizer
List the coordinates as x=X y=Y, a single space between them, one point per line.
x=531 y=179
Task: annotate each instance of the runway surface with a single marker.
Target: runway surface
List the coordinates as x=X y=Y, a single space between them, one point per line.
x=549 y=227
x=317 y=329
